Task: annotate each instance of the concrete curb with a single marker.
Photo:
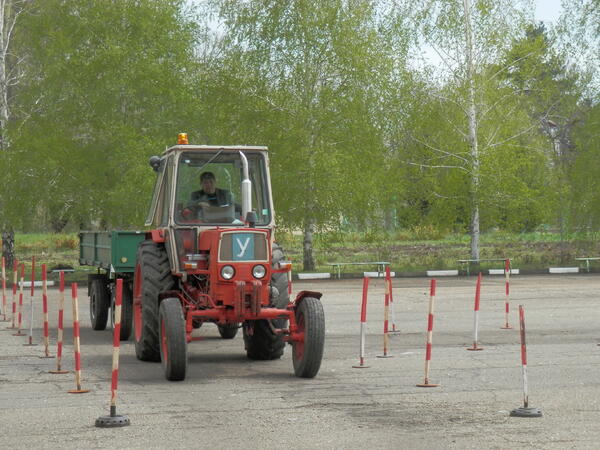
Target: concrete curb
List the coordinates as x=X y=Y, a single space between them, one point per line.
x=455 y=273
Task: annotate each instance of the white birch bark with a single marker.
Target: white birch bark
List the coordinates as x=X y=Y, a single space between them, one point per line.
x=472 y=135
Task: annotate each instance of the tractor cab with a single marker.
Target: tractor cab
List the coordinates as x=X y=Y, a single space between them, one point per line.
x=208 y=187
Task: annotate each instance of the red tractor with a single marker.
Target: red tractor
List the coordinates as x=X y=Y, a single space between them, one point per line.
x=210 y=257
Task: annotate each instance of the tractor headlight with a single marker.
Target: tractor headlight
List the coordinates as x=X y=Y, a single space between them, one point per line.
x=259 y=271
x=227 y=272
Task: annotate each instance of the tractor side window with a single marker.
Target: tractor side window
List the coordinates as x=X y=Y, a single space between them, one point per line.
x=166 y=197
x=150 y=219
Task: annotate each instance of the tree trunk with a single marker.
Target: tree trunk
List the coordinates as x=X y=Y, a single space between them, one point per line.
x=308 y=257
x=472 y=137
x=8 y=246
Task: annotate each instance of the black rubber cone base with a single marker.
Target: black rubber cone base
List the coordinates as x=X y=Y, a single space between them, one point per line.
x=360 y=367
x=384 y=356
x=58 y=371
x=112 y=421
x=526 y=412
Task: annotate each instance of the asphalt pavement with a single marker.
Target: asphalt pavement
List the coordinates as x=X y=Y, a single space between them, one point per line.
x=230 y=402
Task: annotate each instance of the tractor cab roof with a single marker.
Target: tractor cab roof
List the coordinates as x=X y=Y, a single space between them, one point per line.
x=208 y=148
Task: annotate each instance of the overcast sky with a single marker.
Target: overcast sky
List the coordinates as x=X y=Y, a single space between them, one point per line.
x=547 y=10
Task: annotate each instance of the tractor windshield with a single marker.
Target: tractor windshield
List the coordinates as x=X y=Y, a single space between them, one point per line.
x=209 y=188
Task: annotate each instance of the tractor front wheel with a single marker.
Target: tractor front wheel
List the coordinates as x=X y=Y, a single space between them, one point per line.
x=308 y=353
x=173 y=348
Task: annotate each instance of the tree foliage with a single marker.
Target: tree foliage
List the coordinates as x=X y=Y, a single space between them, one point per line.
x=499 y=131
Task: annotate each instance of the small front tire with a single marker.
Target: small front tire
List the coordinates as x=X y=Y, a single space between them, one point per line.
x=308 y=354
x=173 y=346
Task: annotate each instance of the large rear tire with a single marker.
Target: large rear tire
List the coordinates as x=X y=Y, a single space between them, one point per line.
x=152 y=276
x=279 y=280
x=307 y=355
x=263 y=344
x=126 y=311
x=228 y=331
x=99 y=302
x=173 y=347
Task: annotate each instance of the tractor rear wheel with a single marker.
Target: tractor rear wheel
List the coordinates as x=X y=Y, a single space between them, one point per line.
x=279 y=280
x=152 y=276
x=263 y=344
x=173 y=347
x=126 y=311
x=307 y=355
x=228 y=331
x=99 y=302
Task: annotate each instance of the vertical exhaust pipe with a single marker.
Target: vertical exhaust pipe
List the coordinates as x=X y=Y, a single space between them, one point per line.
x=246 y=188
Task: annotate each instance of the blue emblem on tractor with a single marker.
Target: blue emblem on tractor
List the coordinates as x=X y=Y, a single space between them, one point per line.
x=243 y=246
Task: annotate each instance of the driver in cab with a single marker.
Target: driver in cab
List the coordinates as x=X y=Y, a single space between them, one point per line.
x=209 y=195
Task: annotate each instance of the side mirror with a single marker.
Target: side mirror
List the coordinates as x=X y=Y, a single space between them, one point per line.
x=154 y=163
x=251 y=218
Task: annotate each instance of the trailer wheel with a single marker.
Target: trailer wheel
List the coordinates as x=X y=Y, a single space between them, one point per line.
x=307 y=354
x=152 y=276
x=279 y=280
x=173 y=347
x=262 y=344
x=228 y=331
x=126 y=311
x=99 y=303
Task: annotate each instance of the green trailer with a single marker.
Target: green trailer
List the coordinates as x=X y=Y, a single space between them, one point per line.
x=114 y=255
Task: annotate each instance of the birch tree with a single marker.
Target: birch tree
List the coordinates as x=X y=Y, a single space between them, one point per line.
x=468 y=38
x=311 y=68
x=11 y=70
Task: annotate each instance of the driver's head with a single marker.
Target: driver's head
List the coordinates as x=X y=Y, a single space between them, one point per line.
x=208 y=182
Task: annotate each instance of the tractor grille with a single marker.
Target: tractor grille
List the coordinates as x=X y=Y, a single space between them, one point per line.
x=243 y=246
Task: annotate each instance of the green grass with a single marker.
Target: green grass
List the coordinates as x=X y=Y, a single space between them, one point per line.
x=418 y=250
x=413 y=250
x=54 y=250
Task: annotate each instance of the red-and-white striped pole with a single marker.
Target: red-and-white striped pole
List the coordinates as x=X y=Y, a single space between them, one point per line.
x=386 y=315
x=388 y=276
x=59 y=339
x=363 y=320
x=526 y=410
x=14 y=294
x=507 y=285
x=476 y=315
x=4 y=289
x=76 y=343
x=20 y=321
x=289 y=275
x=116 y=343
x=30 y=343
x=45 y=310
x=426 y=383
x=114 y=420
x=523 y=356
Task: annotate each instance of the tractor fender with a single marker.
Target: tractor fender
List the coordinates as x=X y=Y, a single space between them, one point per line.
x=303 y=294
x=157 y=236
